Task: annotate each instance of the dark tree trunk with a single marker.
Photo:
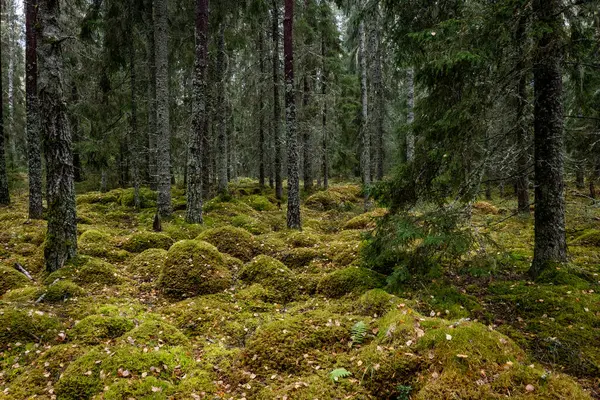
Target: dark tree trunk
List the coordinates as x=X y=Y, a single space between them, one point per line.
x=221 y=114
x=324 y=93
x=163 y=137
x=34 y=151
x=194 y=187
x=522 y=127
x=307 y=168
x=579 y=176
x=379 y=105
x=410 y=119
x=365 y=154
x=151 y=173
x=293 y=211
x=4 y=195
x=276 y=102
x=550 y=239
x=61 y=238
x=134 y=139
x=77 y=166
x=207 y=145
x=261 y=115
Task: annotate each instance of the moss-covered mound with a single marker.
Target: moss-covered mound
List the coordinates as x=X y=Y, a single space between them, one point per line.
x=271 y=274
x=96 y=329
x=251 y=224
x=354 y=280
x=100 y=198
x=298 y=343
x=376 y=302
x=259 y=203
x=100 y=244
x=147 y=198
x=141 y=241
x=335 y=198
x=365 y=221
x=317 y=385
x=192 y=268
x=298 y=257
x=11 y=279
x=590 y=237
x=147 y=265
x=61 y=291
x=87 y=271
x=484 y=207
x=303 y=239
x=233 y=241
x=27 y=326
x=156 y=333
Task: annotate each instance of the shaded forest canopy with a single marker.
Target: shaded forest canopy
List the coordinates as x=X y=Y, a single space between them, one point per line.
x=285 y=199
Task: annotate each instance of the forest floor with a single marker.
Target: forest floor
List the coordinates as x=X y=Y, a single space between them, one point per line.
x=241 y=308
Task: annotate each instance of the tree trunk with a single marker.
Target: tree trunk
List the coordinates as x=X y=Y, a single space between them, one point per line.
x=261 y=115
x=221 y=112
x=12 y=65
x=324 y=121
x=293 y=211
x=194 y=187
x=379 y=103
x=522 y=127
x=307 y=168
x=61 y=238
x=276 y=102
x=34 y=152
x=365 y=155
x=163 y=137
x=410 y=119
x=550 y=239
x=134 y=139
x=78 y=168
x=151 y=98
x=4 y=195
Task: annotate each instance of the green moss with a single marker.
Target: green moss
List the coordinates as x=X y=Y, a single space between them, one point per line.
x=141 y=241
x=449 y=302
x=303 y=239
x=88 y=375
x=62 y=290
x=231 y=240
x=11 y=279
x=27 y=326
x=156 y=333
x=87 y=271
x=484 y=207
x=147 y=265
x=147 y=198
x=590 y=237
x=365 y=221
x=259 y=203
x=193 y=268
x=399 y=326
x=100 y=198
x=26 y=294
x=227 y=208
x=376 y=302
x=271 y=274
x=252 y=225
x=307 y=283
x=298 y=343
x=310 y=387
x=148 y=388
x=338 y=197
x=343 y=253
x=354 y=280
x=298 y=257
x=96 y=329
x=100 y=244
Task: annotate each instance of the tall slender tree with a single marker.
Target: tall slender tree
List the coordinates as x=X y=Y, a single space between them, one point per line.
x=261 y=106
x=163 y=137
x=522 y=122
x=61 y=238
x=293 y=211
x=194 y=186
x=276 y=102
x=410 y=135
x=325 y=149
x=34 y=153
x=4 y=195
x=151 y=173
x=365 y=154
x=550 y=238
x=221 y=113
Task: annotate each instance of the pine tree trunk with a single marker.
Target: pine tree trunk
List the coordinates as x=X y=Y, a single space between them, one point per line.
x=522 y=128
x=194 y=187
x=410 y=135
x=365 y=155
x=276 y=102
x=134 y=139
x=221 y=112
x=293 y=211
x=34 y=152
x=261 y=115
x=4 y=195
x=12 y=65
x=550 y=239
x=151 y=97
x=163 y=137
x=306 y=139
x=324 y=121
x=379 y=103
x=61 y=238
x=207 y=145
x=78 y=168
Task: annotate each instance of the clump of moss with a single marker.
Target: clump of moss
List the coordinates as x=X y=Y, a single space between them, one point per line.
x=87 y=271
x=303 y=239
x=192 y=268
x=147 y=265
x=355 y=280
x=141 y=241
x=96 y=329
x=252 y=225
x=62 y=290
x=272 y=274
x=100 y=198
x=147 y=198
x=88 y=375
x=11 y=279
x=485 y=208
x=298 y=257
x=156 y=333
x=27 y=326
x=298 y=343
x=259 y=203
x=365 y=221
x=376 y=302
x=25 y=294
x=590 y=237
x=343 y=253
x=227 y=208
x=231 y=240
x=325 y=200
x=317 y=385
x=148 y=387
x=100 y=244
x=449 y=302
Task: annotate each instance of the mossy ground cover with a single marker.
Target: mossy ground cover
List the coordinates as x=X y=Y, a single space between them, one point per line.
x=241 y=307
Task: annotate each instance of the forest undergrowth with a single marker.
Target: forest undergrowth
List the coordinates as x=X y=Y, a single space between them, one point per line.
x=242 y=308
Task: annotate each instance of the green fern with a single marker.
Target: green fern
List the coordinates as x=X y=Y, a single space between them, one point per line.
x=358 y=332
x=338 y=373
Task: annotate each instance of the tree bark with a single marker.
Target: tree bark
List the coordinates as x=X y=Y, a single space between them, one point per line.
x=550 y=239
x=221 y=112
x=61 y=238
x=34 y=152
x=163 y=137
x=4 y=194
x=78 y=168
x=276 y=102
x=261 y=115
x=379 y=104
x=522 y=126
x=151 y=173
x=324 y=120
x=365 y=155
x=307 y=168
x=194 y=186
x=293 y=211
x=12 y=65
x=134 y=139
x=410 y=135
